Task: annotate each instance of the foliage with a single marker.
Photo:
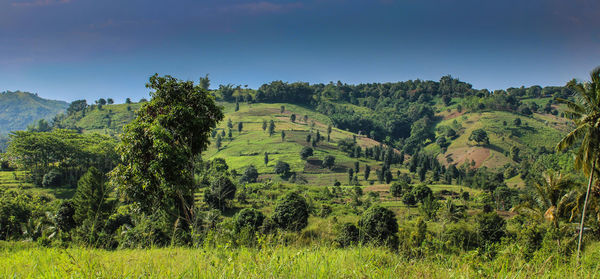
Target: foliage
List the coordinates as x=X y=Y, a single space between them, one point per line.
x=306 y=152
x=157 y=148
x=378 y=225
x=291 y=212
x=328 y=161
x=248 y=218
x=282 y=168
x=91 y=198
x=220 y=191
x=479 y=136
x=250 y=175
x=347 y=235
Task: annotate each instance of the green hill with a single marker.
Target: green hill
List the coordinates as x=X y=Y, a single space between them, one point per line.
x=19 y=109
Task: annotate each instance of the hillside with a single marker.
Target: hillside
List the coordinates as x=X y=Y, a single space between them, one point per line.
x=19 y=109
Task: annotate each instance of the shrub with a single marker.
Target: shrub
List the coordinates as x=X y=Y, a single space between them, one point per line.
x=52 y=179
x=347 y=235
x=396 y=189
x=220 y=191
x=379 y=226
x=328 y=161
x=409 y=199
x=250 y=175
x=306 y=152
x=490 y=227
x=421 y=192
x=291 y=212
x=64 y=216
x=248 y=218
x=282 y=168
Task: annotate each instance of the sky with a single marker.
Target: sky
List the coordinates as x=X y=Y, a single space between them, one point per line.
x=87 y=49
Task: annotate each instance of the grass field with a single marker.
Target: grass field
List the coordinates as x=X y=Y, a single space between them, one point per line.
x=28 y=261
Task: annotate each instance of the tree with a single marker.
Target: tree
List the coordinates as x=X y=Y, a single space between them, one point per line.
x=282 y=109
x=282 y=168
x=356 y=167
x=585 y=113
x=266 y=158
x=128 y=101
x=248 y=218
x=490 y=227
x=218 y=142
x=305 y=118
x=378 y=225
x=250 y=175
x=220 y=191
x=347 y=235
x=293 y=117
x=422 y=192
x=517 y=122
x=110 y=101
x=264 y=125
x=240 y=127
x=271 y=127
x=158 y=147
x=550 y=198
x=479 y=136
x=291 y=212
x=350 y=175
x=367 y=172
x=64 y=216
x=328 y=162
x=306 y=152
x=282 y=135
x=237 y=106
x=204 y=82
x=308 y=137
x=514 y=153
x=229 y=123
x=230 y=134
x=388 y=176
x=396 y=189
x=90 y=199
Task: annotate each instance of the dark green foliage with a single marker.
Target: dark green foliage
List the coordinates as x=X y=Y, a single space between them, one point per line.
x=16 y=209
x=291 y=212
x=266 y=159
x=65 y=216
x=65 y=151
x=517 y=122
x=282 y=135
x=306 y=152
x=264 y=125
x=479 y=136
x=52 y=179
x=250 y=175
x=221 y=191
x=293 y=117
x=388 y=176
x=240 y=127
x=347 y=235
x=367 y=172
x=422 y=192
x=248 y=218
x=378 y=225
x=91 y=198
x=490 y=227
x=157 y=148
x=282 y=168
x=328 y=161
x=271 y=127
x=397 y=188
x=460 y=236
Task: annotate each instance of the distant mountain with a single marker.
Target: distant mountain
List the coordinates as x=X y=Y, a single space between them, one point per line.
x=19 y=109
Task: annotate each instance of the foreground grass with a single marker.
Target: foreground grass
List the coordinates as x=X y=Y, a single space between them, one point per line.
x=274 y=262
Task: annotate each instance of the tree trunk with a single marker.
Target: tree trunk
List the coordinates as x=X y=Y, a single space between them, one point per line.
x=585 y=205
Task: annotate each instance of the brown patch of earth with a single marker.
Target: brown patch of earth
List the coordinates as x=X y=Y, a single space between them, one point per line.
x=466 y=154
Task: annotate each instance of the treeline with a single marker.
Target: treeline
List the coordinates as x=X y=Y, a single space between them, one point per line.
x=399 y=114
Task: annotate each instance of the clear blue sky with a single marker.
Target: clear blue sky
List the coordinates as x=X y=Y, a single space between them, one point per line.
x=72 y=49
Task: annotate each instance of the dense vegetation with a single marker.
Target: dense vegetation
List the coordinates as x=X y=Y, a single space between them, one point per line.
x=376 y=174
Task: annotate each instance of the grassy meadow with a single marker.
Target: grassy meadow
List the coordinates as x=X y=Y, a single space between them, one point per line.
x=27 y=261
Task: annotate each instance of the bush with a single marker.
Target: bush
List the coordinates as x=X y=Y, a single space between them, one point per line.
x=328 y=162
x=52 y=179
x=409 y=199
x=248 y=218
x=282 y=168
x=347 y=235
x=490 y=227
x=291 y=212
x=306 y=152
x=396 y=189
x=64 y=216
x=379 y=226
x=421 y=192
x=250 y=175
x=221 y=190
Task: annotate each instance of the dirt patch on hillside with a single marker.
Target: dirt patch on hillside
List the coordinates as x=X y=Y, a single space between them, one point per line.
x=466 y=154
x=451 y=115
x=378 y=188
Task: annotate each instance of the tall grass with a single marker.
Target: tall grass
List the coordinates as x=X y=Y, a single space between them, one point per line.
x=23 y=261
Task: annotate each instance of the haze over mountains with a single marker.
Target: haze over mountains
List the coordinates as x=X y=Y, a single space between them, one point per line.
x=19 y=109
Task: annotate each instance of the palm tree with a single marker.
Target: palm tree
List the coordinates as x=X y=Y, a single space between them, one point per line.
x=584 y=111
x=550 y=199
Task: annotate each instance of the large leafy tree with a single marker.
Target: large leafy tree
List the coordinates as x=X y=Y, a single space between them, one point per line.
x=158 y=147
x=584 y=111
